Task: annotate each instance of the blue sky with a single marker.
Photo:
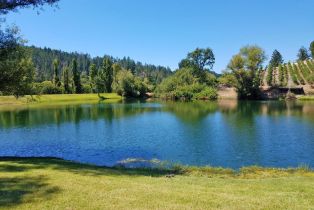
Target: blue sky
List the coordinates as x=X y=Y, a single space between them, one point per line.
x=163 y=31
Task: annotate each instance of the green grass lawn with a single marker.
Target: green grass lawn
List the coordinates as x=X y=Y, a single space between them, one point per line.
x=60 y=98
x=306 y=98
x=56 y=184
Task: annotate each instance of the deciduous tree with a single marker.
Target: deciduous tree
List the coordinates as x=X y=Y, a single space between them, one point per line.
x=245 y=66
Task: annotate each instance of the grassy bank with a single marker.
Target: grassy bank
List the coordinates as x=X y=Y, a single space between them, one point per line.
x=60 y=98
x=56 y=184
x=306 y=98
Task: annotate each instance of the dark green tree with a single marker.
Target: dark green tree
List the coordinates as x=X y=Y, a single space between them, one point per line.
x=16 y=67
x=12 y=5
x=56 y=79
x=76 y=77
x=276 y=59
x=66 y=79
x=199 y=59
x=312 y=49
x=303 y=54
x=92 y=76
x=107 y=74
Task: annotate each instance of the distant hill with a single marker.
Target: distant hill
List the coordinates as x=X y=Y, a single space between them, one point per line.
x=43 y=59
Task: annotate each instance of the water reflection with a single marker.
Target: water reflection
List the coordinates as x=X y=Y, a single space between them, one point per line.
x=223 y=133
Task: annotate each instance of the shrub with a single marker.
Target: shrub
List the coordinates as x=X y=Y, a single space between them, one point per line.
x=185 y=84
x=86 y=88
x=47 y=87
x=228 y=80
x=127 y=85
x=207 y=93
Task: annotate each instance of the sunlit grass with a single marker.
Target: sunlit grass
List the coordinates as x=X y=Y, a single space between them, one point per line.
x=37 y=100
x=306 y=98
x=57 y=184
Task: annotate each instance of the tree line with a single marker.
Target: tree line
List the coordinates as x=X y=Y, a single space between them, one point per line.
x=31 y=70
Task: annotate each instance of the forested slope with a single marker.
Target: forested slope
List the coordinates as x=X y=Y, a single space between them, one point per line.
x=43 y=59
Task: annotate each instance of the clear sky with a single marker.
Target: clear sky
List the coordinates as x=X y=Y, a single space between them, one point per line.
x=162 y=32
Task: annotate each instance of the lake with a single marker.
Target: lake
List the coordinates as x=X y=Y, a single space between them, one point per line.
x=223 y=133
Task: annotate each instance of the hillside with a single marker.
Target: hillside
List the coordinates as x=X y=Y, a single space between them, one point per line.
x=43 y=59
x=299 y=74
x=289 y=75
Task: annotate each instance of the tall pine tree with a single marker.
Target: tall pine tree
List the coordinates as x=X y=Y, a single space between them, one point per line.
x=66 y=80
x=276 y=59
x=56 y=80
x=92 y=76
x=76 y=77
x=107 y=74
x=312 y=49
x=303 y=54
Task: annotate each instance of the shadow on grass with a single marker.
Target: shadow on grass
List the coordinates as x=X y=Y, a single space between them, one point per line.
x=17 y=164
x=17 y=190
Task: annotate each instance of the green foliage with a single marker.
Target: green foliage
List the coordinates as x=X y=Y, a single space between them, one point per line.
x=56 y=80
x=283 y=75
x=312 y=49
x=76 y=77
x=276 y=59
x=199 y=59
x=245 y=67
x=42 y=59
x=16 y=67
x=86 y=88
x=304 y=69
x=106 y=75
x=310 y=65
x=66 y=80
x=93 y=72
x=187 y=85
x=227 y=79
x=298 y=75
x=128 y=85
x=310 y=79
x=47 y=87
x=303 y=54
x=269 y=78
x=207 y=93
x=292 y=74
x=8 y=5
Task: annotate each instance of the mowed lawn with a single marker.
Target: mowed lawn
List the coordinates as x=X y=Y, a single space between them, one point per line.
x=42 y=183
x=6 y=101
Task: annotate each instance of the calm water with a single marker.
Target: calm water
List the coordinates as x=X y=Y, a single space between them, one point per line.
x=225 y=133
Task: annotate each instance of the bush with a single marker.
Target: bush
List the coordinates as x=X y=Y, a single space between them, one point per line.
x=47 y=87
x=86 y=88
x=185 y=84
x=228 y=80
x=208 y=93
x=127 y=85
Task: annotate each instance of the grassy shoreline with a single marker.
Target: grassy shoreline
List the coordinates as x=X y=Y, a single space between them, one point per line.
x=49 y=183
x=58 y=98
